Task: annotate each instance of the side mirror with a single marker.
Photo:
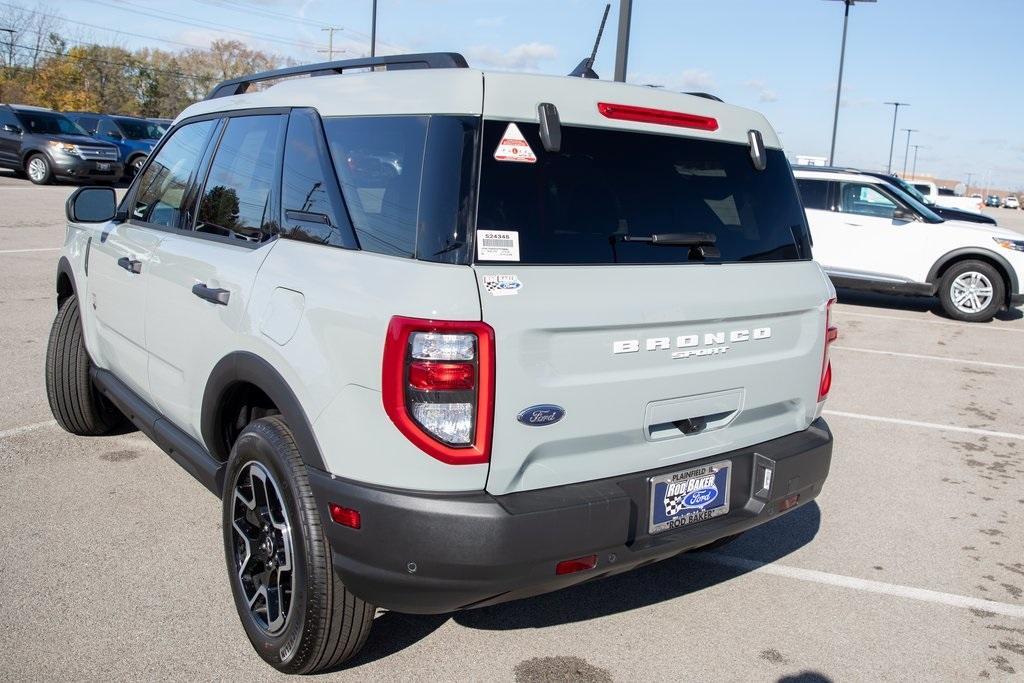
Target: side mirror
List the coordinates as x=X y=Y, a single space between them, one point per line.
x=11 y=128
x=91 y=205
x=902 y=214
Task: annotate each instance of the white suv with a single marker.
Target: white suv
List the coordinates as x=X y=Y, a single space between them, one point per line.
x=1011 y=202
x=870 y=234
x=441 y=338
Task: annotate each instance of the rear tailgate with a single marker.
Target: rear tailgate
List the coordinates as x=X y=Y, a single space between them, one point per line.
x=624 y=412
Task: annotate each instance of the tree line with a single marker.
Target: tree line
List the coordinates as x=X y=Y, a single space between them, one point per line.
x=44 y=66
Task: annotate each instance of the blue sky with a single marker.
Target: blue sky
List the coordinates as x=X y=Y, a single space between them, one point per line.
x=956 y=62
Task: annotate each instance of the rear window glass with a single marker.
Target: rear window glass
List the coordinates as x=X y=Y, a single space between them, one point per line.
x=813 y=193
x=578 y=205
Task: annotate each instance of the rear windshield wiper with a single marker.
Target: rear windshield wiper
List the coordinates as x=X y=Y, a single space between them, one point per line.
x=674 y=239
x=702 y=244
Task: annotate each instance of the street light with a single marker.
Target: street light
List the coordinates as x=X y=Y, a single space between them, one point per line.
x=892 y=140
x=906 y=154
x=913 y=172
x=839 y=85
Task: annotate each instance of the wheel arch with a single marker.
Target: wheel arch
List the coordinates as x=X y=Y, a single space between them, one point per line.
x=243 y=369
x=65 y=282
x=998 y=262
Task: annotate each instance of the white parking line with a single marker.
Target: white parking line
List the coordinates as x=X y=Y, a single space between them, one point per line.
x=25 y=251
x=921 y=356
x=27 y=428
x=948 y=323
x=925 y=425
x=867 y=585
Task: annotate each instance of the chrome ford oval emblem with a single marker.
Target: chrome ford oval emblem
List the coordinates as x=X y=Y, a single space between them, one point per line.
x=541 y=415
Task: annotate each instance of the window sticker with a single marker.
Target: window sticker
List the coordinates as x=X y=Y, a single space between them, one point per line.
x=497 y=245
x=502 y=285
x=514 y=147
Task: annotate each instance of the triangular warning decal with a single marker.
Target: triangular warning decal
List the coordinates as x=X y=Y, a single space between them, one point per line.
x=514 y=147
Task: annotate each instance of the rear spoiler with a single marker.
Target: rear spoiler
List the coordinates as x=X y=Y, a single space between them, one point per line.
x=425 y=60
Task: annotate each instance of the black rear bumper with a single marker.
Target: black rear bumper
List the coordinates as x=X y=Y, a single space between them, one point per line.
x=429 y=553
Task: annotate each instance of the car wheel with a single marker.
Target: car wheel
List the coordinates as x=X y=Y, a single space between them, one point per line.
x=38 y=169
x=296 y=611
x=75 y=402
x=972 y=291
x=136 y=165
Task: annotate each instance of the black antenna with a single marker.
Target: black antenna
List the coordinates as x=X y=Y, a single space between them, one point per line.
x=585 y=69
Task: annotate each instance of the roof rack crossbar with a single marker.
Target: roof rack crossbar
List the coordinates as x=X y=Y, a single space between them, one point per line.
x=425 y=60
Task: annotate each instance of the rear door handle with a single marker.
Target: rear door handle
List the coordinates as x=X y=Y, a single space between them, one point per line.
x=129 y=264
x=212 y=294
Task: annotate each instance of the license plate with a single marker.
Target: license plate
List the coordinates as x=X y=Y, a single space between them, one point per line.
x=689 y=496
x=103 y=166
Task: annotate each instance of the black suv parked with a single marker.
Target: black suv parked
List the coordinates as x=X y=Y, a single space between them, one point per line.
x=44 y=144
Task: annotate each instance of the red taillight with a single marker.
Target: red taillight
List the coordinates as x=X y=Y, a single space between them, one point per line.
x=345 y=516
x=626 y=112
x=438 y=386
x=431 y=376
x=831 y=334
x=580 y=564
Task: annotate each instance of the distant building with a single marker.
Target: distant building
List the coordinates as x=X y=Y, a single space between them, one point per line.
x=811 y=161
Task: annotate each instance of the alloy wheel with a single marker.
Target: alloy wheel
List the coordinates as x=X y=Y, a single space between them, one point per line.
x=971 y=292
x=37 y=169
x=262 y=537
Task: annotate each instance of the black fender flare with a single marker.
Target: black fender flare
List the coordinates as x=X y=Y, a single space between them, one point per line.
x=967 y=252
x=244 y=366
x=64 y=269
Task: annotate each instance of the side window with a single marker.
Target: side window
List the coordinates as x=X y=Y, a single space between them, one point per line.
x=88 y=123
x=814 y=193
x=865 y=200
x=236 y=197
x=163 y=186
x=311 y=202
x=106 y=127
x=379 y=162
x=7 y=118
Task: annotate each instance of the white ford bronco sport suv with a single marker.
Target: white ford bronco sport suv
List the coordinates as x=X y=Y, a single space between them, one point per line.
x=441 y=338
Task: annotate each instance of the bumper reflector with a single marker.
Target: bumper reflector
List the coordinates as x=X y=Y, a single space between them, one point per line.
x=346 y=516
x=578 y=565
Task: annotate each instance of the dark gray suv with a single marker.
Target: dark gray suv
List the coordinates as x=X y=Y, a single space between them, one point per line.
x=43 y=144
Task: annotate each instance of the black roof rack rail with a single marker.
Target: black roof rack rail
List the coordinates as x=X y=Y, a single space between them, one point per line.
x=424 y=60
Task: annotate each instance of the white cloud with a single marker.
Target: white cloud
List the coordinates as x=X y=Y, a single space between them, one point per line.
x=490 y=22
x=764 y=93
x=698 y=79
x=525 y=57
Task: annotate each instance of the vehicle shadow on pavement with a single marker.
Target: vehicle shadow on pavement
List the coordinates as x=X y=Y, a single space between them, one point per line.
x=922 y=304
x=655 y=583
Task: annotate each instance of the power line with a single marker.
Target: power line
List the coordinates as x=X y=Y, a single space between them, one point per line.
x=166 y=16
x=141 y=66
x=330 y=42
x=248 y=9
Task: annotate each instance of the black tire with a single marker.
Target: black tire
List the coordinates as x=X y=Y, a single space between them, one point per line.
x=135 y=165
x=45 y=175
x=322 y=623
x=75 y=402
x=988 y=279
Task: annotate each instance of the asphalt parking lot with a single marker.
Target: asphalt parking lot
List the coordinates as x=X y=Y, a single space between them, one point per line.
x=910 y=566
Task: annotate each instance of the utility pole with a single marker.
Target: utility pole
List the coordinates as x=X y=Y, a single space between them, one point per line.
x=967 y=192
x=892 y=140
x=913 y=172
x=622 y=48
x=906 y=154
x=10 y=45
x=839 y=84
x=373 y=31
x=330 y=42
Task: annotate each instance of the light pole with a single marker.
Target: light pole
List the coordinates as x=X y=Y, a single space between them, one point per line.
x=913 y=172
x=373 y=31
x=906 y=154
x=892 y=140
x=839 y=84
x=967 y=192
x=622 y=47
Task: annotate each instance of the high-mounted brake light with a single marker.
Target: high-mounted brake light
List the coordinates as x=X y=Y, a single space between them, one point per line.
x=626 y=112
x=831 y=334
x=438 y=386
